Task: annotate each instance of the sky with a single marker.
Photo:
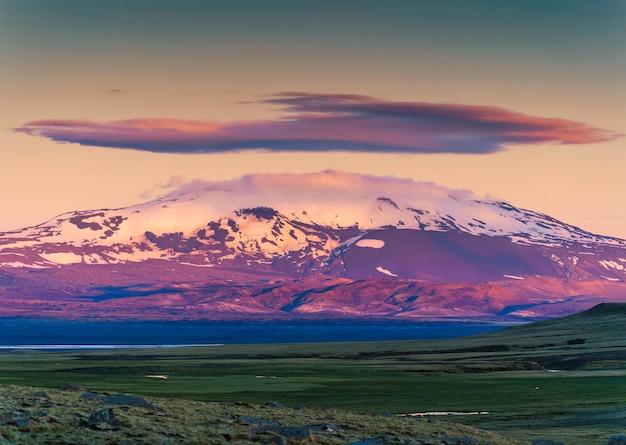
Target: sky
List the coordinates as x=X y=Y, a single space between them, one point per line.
x=110 y=103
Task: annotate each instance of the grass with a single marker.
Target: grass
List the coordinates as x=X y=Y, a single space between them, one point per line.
x=178 y=421
x=503 y=373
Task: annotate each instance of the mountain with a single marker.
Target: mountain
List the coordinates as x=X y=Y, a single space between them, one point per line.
x=323 y=244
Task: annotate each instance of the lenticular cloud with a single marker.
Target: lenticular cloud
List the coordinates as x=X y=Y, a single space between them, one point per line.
x=332 y=122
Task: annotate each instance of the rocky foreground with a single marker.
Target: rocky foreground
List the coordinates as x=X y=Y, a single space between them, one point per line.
x=74 y=415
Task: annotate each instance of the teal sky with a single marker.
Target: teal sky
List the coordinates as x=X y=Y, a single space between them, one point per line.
x=531 y=27
x=217 y=61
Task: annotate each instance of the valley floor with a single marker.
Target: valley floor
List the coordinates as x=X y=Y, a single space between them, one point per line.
x=560 y=380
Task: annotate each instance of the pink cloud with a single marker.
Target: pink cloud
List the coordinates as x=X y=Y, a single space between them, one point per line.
x=323 y=122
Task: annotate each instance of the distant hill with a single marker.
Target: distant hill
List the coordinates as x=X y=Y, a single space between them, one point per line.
x=591 y=340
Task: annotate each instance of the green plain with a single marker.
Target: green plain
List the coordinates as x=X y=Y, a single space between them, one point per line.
x=507 y=374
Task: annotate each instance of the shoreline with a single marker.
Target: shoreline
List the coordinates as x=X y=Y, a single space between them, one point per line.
x=106 y=347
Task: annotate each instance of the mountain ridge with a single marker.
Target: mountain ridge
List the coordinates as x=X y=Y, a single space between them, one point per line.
x=478 y=258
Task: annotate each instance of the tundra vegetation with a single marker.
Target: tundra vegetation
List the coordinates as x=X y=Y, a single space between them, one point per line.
x=560 y=380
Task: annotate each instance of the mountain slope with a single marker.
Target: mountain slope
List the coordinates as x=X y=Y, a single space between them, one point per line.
x=233 y=237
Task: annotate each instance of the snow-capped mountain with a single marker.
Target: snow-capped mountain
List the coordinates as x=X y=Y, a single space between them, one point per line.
x=329 y=224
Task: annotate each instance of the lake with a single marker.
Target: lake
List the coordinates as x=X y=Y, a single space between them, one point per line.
x=49 y=333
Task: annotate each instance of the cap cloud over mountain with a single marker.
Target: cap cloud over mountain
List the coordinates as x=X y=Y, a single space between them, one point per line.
x=317 y=227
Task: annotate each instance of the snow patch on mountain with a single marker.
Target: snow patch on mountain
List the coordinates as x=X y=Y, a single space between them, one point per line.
x=386 y=271
x=513 y=277
x=611 y=265
x=266 y=217
x=62 y=257
x=371 y=243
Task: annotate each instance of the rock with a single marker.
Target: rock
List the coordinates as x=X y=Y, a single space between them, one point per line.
x=299 y=407
x=40 y=395
x=18 y=419
x=93 y=396
x=24 y=423
x=120 y=399
x=370 y=441
x=274 y=404
x=325 y=427
x=298 y=434
x=73 y=386
x=455 y=441
x=617 y=439
x=105 y=415
x=245 y=420
x=546 y=442
x=128 y=400
x=36 y=398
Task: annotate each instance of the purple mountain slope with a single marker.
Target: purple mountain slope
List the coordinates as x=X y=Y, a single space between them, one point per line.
x=325 y=244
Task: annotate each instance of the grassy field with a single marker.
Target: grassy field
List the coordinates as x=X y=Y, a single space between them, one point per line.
x=561 y=379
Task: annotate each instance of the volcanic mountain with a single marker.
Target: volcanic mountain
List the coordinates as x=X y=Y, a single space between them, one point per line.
x=323 y=244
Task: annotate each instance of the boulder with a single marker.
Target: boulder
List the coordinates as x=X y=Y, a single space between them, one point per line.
x=274 y=404
x=24 y=423
x=245 y=420
x=120 y=399
x=93 y=397
x=325 y=427
x=617 y=439
x=277 y=440
x=105 y=415
x=546 y=442
x=297 y=434
x=128 y=400
x=370 y=441
x=73 y=386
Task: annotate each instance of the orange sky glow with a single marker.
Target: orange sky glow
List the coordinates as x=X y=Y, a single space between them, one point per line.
x=179 y=70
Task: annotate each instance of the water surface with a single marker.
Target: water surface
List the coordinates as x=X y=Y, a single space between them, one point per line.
x=48 y=333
